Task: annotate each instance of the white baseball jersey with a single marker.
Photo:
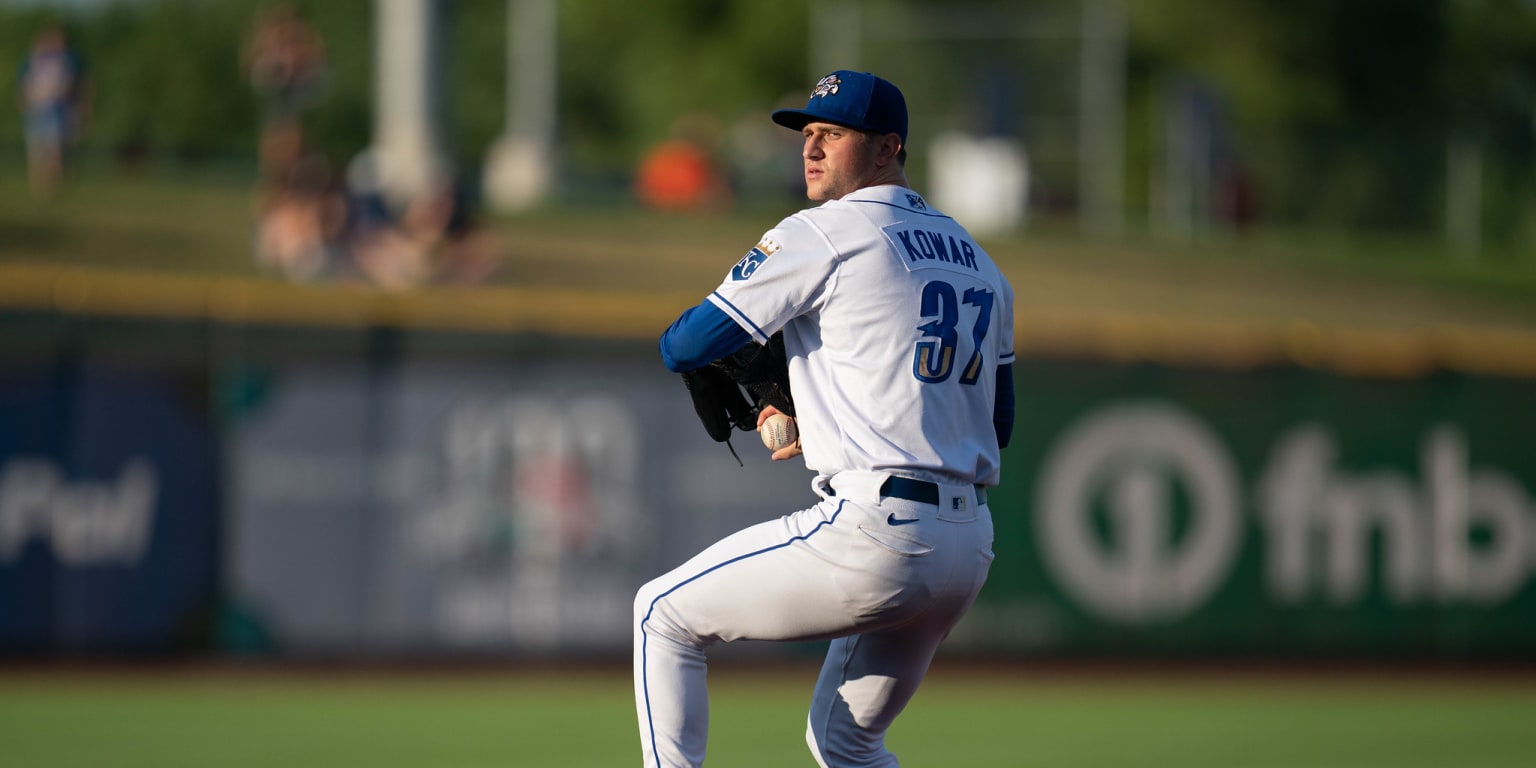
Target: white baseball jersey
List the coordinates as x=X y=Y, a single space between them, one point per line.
x=894 y=322
x=898 y=374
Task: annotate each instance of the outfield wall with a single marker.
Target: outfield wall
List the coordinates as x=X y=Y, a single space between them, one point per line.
x=190 y=483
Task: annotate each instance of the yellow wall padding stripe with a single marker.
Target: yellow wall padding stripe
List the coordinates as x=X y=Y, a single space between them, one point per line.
x=265 y=302
x=605 y=314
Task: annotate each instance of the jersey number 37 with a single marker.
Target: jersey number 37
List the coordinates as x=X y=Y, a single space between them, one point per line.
x=934 y=359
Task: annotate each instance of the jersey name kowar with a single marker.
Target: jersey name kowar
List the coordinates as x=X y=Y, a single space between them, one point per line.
x=899 y=373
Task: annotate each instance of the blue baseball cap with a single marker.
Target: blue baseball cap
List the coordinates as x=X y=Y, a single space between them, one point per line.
x=858 y=100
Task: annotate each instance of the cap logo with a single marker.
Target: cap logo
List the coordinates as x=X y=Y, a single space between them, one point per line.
x=826 y=86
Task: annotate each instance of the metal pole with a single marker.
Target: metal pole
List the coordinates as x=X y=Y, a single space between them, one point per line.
x=1464 y=196
x=1101 y=145
x=520 y=167
x=408 y=135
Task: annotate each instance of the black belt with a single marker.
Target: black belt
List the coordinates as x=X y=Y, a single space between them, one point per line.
x=920 y=491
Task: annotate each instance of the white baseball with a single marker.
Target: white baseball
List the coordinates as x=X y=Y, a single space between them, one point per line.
x=778 y=431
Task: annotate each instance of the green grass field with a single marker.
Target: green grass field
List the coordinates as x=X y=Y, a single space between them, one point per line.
x=565 y=718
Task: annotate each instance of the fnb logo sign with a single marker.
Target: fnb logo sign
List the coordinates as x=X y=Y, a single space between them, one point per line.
x=1141 y=514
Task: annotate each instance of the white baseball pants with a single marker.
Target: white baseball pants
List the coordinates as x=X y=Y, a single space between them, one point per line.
x=884 y=578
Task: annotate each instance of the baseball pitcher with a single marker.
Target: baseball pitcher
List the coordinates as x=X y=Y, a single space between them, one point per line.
x=886 y=332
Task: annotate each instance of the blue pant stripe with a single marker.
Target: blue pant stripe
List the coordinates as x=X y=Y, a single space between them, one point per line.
x=645 y=639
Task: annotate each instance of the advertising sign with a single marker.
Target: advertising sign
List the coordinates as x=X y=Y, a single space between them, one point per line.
x=107 y=513
x=1281 y=511
x=474 y=509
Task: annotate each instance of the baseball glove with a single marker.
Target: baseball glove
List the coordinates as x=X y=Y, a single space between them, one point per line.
x=716 y=389
x=762 y=370
x=718 y=401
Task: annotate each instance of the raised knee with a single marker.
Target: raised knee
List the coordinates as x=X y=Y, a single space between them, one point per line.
x=645 y=598
x=649 y=602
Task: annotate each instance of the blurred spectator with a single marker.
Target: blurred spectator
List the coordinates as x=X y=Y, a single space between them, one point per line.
x=285 y=61
x=680 y=174
x=54 y=96
x=301 y=227
x=432 y=238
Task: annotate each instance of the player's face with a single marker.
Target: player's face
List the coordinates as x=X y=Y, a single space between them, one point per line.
x=838 y=161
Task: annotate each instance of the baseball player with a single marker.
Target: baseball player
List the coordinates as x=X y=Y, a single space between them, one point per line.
x=897 y=332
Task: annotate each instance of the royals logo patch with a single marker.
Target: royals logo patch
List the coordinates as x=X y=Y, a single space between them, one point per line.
x=748 y=264
x=754 y=259
x=826 y=86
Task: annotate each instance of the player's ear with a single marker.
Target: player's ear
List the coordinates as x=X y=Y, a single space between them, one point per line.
x=890 y=147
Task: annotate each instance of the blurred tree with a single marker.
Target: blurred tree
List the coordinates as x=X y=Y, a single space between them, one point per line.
x=1489 y=78
x=1340 y=112
x=1344 y=109
x=477 y=66
x=166 y=80
x=646 y=64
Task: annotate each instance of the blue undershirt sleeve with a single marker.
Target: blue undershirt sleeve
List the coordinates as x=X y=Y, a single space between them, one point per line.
x=700 y=336
x=1002 y=407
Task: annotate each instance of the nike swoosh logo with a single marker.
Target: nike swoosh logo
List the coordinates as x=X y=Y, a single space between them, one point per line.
x=894 y=520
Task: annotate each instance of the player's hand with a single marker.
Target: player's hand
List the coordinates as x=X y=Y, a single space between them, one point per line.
x=781 y=454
